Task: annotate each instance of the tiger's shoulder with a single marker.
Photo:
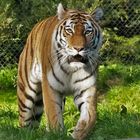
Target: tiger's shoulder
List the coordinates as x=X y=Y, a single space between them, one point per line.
x=38 y=43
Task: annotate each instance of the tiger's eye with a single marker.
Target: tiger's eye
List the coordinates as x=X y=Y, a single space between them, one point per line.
x=88 y=32
x=69 y=31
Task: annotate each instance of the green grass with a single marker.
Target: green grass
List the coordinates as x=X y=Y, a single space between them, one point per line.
x=119 y=85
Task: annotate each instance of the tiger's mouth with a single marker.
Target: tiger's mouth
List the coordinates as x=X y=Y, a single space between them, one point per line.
x=77 y=58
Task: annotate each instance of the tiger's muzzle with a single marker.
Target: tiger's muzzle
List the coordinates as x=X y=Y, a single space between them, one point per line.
x=77 y=58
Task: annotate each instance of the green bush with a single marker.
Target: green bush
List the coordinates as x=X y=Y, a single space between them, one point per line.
x=8 y=76
x=120 y=48
x=17 y=18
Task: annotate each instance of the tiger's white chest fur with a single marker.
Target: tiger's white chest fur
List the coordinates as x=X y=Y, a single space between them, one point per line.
x=69 y=83
x=62 y=82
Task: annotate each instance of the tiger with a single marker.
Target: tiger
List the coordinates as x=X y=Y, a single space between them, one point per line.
x=60 y=58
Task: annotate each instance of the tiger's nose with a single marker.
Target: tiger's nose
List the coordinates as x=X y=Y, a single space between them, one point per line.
x=79 y=48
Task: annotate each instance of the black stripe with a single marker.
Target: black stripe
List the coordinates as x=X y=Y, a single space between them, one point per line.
x=21 y=109
x=56 y=34
x=78 y=15
x=33 y=82
x=70 y=24
x=61 y=27
x=30 y=42
x=74 y=19
x=20 y=73
x=80 y=105
x=64 y=101
x=39 y=103
x=57 y=79
x=80 y=80
x=55 y=89
x=59 y=46
x=34 y=117
x=29 y=97
x=93 y=43
x=59 y=104
x=31 y=88
x=21 y=87
x=96 y=37
x=23 y=105
x=30 y=118
x=58 y=54
x=39 y=93
x=26 y=72
x=62 y=68
x=21 y=116
x=27 y=125
x=61 y=41
x=97 y=33
x=64 y=23
x=81 y=19
x=95 y=26
x=38 y=116
x=81 y=94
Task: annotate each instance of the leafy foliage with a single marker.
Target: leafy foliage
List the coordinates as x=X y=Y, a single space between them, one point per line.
x=8 y=76
x=120 y=48
x=17 y=18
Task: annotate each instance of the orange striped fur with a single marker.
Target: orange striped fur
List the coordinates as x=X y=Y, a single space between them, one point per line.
x=60 y=58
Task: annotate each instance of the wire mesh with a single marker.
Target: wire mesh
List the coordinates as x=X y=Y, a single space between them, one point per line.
x=121 y=29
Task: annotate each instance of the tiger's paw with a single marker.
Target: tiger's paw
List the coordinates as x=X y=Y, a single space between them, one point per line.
x=80 y=131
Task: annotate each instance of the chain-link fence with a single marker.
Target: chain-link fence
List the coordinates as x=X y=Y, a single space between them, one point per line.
x=121 y=28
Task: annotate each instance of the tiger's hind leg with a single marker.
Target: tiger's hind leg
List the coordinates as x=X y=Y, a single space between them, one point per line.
x=30 y=104
x=37 y=110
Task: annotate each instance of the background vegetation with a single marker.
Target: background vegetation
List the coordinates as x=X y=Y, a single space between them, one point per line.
x=119 y=73
x=120 y=22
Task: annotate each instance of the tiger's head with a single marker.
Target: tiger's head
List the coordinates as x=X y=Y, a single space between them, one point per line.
x=77 y=38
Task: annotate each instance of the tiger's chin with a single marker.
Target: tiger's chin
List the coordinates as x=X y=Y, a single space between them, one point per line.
x=78 y=59
x=77 y=62
x=77 y=65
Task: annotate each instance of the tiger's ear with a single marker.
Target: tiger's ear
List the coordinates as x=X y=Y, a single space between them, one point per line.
x=97 y=14
x=60 y=11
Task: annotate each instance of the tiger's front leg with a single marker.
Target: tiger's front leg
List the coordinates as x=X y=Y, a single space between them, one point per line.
x=86 y=103
x=53 y=107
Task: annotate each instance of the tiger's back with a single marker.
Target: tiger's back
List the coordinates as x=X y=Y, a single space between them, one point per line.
x=60 y=57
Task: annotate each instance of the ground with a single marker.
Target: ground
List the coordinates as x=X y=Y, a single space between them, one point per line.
x=118 y=107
